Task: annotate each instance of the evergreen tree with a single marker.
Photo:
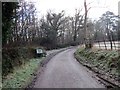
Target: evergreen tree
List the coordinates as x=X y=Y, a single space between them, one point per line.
x=8 y=10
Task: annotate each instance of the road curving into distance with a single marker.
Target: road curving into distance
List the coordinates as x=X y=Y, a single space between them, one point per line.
x=63 y=71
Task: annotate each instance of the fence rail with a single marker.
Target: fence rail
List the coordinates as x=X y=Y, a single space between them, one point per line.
x=101 y=45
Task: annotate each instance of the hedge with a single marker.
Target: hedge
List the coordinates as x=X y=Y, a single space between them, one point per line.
x=14 y=57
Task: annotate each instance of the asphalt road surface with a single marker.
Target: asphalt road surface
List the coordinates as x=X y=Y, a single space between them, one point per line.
x=63 y=71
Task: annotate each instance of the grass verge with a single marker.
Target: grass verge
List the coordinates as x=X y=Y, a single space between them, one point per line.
x=104 y=62
x=22 y=76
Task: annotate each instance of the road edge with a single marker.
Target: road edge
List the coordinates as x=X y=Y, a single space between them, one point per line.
x=42 y=66
x=107 y=83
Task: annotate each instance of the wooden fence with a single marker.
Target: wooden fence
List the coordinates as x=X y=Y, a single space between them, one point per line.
x=107 y=45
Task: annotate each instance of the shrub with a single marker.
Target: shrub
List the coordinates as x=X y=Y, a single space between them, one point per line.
x=13 y=57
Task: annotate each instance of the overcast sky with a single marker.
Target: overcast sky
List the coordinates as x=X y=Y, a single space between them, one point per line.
x=98 y=7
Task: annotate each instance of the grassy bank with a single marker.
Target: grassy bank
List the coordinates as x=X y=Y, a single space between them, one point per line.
x=105 y=63
x=22 y=76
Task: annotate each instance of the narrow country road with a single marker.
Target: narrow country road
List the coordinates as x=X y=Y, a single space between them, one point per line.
x=63 y=71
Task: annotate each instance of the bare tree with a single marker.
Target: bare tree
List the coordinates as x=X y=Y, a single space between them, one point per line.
x=87 y=41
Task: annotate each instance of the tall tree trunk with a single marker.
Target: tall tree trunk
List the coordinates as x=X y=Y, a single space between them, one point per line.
x=85 y=26
x=109 y=36
x=104 y=40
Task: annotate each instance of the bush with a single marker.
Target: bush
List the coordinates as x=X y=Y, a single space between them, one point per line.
x=62 y=46
x=15 y=57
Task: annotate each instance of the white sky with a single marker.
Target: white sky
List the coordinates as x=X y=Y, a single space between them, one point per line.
x=98 y=7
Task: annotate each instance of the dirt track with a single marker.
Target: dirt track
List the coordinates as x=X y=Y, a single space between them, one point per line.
x=63 y=71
